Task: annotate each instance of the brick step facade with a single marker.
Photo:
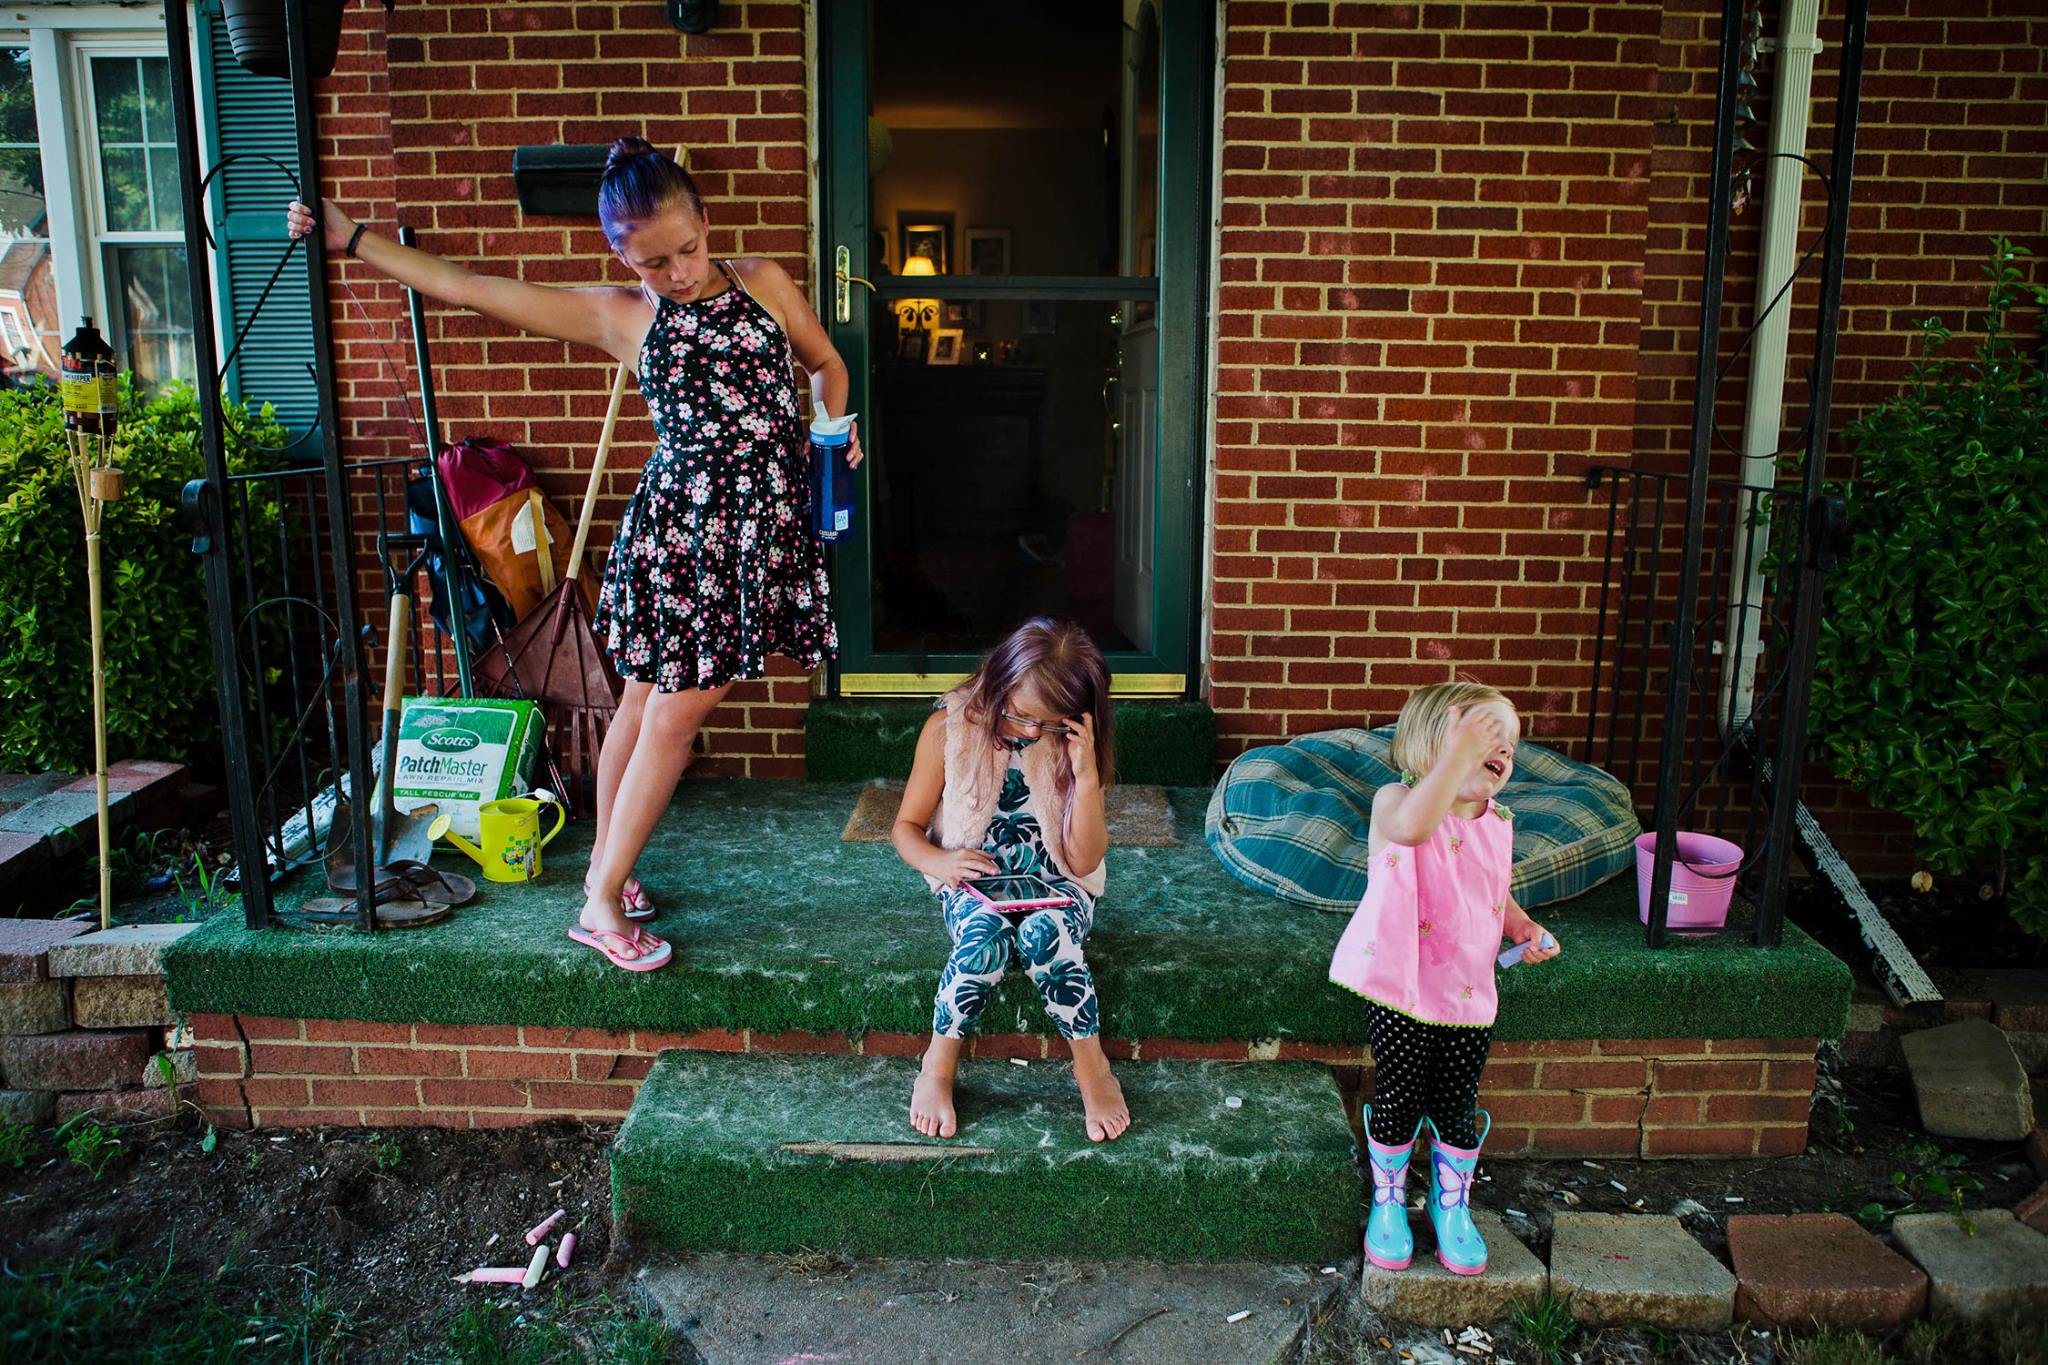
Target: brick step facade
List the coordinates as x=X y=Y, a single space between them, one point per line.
x=1670 y=1097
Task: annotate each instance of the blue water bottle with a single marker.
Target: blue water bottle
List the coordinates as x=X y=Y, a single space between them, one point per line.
x=831 y=480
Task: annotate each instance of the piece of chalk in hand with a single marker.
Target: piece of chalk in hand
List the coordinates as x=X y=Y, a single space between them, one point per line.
x=1509 y=957
x=540 y=1229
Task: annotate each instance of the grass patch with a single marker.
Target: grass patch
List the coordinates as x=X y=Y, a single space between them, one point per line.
x=564 y=1334
x=101 y=1307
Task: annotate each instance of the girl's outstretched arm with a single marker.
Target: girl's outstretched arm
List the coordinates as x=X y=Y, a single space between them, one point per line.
x=914 y=817
x=1409 y=815
x=612 y=319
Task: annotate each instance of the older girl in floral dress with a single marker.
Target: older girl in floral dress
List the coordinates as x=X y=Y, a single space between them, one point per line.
x=714 y=567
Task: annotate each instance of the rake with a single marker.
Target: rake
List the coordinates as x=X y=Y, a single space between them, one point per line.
x=552 y=656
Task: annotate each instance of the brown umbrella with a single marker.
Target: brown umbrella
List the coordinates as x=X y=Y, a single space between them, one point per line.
x=552 y=656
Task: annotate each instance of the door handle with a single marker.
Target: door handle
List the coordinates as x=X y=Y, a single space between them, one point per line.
x=842 y=277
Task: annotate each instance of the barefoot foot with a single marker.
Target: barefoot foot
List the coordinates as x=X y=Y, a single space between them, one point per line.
x=1102 y=1102
x=931 y=1103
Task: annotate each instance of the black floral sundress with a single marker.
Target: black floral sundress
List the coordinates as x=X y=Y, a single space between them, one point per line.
x=715 y=566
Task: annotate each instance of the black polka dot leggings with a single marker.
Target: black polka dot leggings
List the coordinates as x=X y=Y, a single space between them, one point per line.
x=1419 y=1069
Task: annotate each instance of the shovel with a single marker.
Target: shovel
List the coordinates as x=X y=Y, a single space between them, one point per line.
x=396 y=837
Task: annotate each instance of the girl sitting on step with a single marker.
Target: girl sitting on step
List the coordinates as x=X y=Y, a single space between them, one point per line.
x=986 y=797
x=1421 y=949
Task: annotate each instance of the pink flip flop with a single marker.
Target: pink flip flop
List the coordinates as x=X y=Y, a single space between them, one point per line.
x=637 y=952
x=633 y=902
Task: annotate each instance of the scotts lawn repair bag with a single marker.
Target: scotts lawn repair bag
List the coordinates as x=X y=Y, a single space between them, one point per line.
x=505 y=520
x=458 y=754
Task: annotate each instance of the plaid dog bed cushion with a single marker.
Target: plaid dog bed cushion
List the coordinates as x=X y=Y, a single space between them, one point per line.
x=1291 y=819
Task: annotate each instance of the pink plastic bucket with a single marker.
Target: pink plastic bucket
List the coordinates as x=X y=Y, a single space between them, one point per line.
x=1702 y=880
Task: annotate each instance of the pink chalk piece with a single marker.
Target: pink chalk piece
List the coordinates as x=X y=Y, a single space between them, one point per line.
x=566 y=1250
x=497 y=1274
x=541 y=1229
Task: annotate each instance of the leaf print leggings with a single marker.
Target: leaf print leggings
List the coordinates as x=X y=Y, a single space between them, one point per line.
x=1046 y=942
x=1421 y=1068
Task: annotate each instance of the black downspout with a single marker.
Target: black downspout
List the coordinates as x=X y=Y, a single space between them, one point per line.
x=444 y=520
x=205 y=498
x=1678 y=684
x=1814 y=538
x=340 y=523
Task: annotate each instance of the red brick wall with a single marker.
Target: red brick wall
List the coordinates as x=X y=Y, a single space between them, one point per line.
x=1653 y=1097
x=418 y=125
x=1431 y=274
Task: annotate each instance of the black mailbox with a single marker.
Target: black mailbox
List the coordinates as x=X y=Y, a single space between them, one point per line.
x=558 y=179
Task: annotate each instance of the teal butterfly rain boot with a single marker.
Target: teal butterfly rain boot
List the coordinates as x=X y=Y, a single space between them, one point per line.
x=1458 y=1243
x=1388 y=1242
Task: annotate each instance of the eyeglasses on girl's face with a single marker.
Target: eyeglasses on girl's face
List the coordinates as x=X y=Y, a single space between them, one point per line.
x=1036 y=727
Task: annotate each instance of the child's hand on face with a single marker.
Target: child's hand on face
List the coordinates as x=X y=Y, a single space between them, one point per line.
x=1472 y=736
x=1081 y=748
x=955 y=865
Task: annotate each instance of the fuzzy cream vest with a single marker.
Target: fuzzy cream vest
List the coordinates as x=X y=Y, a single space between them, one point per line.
x=974 y=781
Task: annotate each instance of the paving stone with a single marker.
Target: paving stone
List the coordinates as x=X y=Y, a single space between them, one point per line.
x=25 y=946
x=184 y=1069
x=2037 y=1151
x=1619 y=1269
x=1431 y=1296
x=65 y=818
x=1809 y=1270
x=32 y=1107
x=1967 y=1080
x=119 y=1001
x=2033 y=1210
x=77 y=1061
x=115 y=1106
x=753 y=1309
x=2001 y=1267
x=124 y=950
x=23 y=858
x=2019 y=997
x=18 y=789
x=34 y=1007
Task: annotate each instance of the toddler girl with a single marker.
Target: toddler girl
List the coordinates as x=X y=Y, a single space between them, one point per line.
x=1421 y=950
x=986 y=797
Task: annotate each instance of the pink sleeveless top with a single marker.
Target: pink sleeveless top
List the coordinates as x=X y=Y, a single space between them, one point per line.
x=1424 y=939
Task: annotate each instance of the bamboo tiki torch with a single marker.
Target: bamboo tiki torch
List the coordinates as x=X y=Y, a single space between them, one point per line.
x=92 y=409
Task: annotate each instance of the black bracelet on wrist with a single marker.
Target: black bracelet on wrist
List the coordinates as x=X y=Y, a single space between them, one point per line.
x=355 y=237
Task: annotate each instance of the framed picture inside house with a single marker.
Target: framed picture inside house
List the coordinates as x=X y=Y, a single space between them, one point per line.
x=945 y=347
x=987 y=250
x=927 y=233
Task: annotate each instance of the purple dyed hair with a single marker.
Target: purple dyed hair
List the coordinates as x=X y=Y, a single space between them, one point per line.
x=638 y=183
x=1071 y=675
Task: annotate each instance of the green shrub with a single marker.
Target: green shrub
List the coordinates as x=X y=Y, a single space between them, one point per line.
x=159 y=655
x=1932 y=689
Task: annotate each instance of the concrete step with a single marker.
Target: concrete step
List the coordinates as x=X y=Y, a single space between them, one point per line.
x=780 y=1153
x=1979 y=1269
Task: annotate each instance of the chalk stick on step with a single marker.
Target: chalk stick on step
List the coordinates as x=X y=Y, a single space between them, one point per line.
x=541 y=1228
x=535 y=1267
x=566 y=1250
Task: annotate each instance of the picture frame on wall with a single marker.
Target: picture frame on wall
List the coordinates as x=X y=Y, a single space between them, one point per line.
x=964 y=313
x=924 y=232
x=1041 y=317
x=912 y=344
x=986 y=250
x=946 y=347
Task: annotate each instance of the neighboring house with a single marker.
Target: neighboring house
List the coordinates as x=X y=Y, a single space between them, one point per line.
x=1270 y=339
x=90 y=191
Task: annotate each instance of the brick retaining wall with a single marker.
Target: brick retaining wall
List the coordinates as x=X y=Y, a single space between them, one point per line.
x=1608 y=1097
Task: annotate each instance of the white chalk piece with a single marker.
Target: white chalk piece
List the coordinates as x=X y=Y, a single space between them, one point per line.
x=1239 y=1316
x=1232 y=1102
x=566 y=1250
x=540 y=1229
x=1018 y=1061
x=534 y=1267
x=496 y=1274
x=1514 y=1213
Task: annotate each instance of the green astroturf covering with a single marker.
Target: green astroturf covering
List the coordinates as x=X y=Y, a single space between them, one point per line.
x=778 y=925
x=1165 y=743
x=700 y=1163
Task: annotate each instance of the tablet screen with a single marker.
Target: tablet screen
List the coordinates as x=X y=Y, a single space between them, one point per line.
x=1019 y=887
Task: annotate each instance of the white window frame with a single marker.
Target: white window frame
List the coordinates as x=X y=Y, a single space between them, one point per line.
x=61 y=39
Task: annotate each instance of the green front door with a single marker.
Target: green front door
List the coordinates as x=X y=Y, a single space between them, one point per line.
x=1013 y=266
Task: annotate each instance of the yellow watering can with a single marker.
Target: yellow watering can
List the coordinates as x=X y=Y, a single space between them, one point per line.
x=509 y=836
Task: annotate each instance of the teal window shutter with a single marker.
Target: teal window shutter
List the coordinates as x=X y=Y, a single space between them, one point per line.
x=249 y=116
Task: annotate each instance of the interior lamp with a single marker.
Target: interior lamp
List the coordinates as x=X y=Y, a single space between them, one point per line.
x=918 y=312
